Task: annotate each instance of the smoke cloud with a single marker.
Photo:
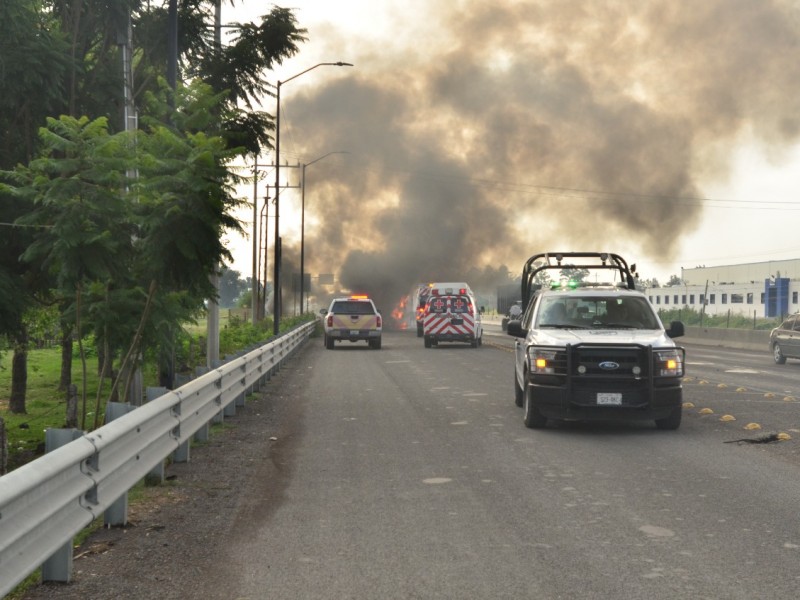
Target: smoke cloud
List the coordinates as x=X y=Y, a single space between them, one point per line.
x=506 y=128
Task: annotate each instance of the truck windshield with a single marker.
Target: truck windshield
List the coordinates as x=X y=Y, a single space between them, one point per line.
x=610 y=312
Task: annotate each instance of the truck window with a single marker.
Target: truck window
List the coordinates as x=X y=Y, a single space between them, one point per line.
x=459 y=304
x=437 y=305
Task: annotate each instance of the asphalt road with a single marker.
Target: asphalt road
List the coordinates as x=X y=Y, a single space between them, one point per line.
x=408 y=473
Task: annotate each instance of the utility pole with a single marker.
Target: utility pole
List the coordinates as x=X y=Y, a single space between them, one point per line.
x=212 y=323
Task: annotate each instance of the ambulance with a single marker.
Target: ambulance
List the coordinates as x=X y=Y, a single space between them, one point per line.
x=421 y=293
x=451 y=315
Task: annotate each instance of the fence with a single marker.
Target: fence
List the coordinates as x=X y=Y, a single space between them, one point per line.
x=46 y=503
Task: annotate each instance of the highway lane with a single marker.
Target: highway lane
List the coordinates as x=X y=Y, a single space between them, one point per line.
x=409 y=474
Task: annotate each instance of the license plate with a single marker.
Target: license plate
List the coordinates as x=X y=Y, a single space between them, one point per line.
x=609 y=399
x=456 y=321
x=354 y=332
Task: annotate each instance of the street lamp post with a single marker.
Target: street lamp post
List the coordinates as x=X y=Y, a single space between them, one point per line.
x=276 y=301
x=303 y=222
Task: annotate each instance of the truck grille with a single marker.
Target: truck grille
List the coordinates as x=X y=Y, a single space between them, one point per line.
x=595 y=365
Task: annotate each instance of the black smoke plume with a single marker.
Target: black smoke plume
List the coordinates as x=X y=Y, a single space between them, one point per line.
x=523 y=127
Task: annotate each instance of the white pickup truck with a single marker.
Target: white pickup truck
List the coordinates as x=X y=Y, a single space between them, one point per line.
x=593 y=351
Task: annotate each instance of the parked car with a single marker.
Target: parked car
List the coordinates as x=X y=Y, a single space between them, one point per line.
x=784 y=340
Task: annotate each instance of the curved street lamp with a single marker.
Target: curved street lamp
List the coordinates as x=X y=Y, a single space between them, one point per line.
x=303 y=222
x=276 y=300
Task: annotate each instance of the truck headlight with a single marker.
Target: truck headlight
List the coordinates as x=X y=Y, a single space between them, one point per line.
x=542 y=362
x=668 y=363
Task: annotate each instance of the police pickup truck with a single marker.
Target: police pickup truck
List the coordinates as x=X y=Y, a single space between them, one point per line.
x=593 y=351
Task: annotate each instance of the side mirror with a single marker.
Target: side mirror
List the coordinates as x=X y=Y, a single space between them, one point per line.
x=515 y=328
x=323 y=311
x=676 y=329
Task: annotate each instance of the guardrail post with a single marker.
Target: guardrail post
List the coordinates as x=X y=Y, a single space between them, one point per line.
x=117 y=512
x=58 y=567
x=201 y=435
x=158 y=473
x=272 y=362
x=181 y=453
x=241 y=398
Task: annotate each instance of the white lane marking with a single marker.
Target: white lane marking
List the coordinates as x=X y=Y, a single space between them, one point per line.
x=656 y=531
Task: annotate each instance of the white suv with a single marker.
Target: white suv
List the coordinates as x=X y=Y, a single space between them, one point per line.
x=594 y=351
x=354 y=319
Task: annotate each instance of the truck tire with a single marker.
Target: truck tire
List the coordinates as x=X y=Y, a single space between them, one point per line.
x=375 y=344
x=519 y=394
x=533 y=418
x=777 y=355
x=329 y=342
x=427 y=342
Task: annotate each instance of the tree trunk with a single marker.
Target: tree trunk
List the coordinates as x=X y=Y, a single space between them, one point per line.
x=72 y=406
x=66 y=359
x=19 y=374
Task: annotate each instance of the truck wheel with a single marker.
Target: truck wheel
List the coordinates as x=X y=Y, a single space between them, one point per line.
x=519 y=395
x=375 y=344
x=419 y=330
x=427 y=342
x=533 y=418
x=673 y=421
x=329 y=342
x=780 y=359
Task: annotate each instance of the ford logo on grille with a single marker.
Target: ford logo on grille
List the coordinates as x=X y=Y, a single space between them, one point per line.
x=608 y=365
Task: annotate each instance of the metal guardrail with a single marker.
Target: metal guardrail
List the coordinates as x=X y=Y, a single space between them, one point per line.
x=46 y=503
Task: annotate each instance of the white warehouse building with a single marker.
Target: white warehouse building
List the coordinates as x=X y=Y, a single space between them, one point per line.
x=764 y=289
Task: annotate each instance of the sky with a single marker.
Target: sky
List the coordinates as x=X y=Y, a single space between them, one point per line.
x=472 y=134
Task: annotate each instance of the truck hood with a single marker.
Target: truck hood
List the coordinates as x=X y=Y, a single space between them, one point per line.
x=562 y=337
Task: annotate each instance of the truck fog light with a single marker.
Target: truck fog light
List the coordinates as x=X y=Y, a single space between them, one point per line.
x=582 y=369
x=637 y=370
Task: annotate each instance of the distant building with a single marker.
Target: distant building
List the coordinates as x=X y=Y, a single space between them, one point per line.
x=764 y=289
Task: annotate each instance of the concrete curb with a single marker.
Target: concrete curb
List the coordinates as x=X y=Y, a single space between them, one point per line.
x=745 y=339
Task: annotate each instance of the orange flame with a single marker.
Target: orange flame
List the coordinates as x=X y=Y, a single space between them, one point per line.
x=399 y=312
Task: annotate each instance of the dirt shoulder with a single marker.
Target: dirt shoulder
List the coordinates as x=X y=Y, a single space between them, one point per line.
x=174 y=544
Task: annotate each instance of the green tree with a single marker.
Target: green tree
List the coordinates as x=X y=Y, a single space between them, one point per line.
x=33 y=59
x=83 y=232
x=33 y=63
x=65 y=57
x=674 y=280
x=232 y=287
